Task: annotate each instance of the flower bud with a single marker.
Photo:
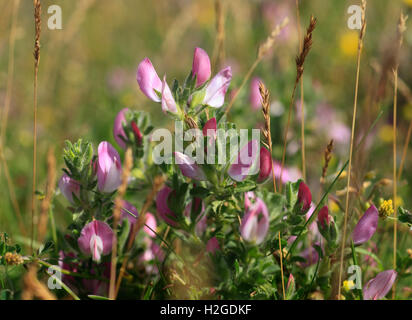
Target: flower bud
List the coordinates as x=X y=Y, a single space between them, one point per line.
x=378 y=287
x=137 y=133
x=327 y=227
x=96 y=240
x=109 y=168
x=366 y=226
x=68 y=187
x=255 y=223
x=201 y=66
x=148 y=80
x=304 y=198
x=265 y=165
x=217 y=87
x=118 y=131
x=255 y=97
x=188 y=167
x=210 y=127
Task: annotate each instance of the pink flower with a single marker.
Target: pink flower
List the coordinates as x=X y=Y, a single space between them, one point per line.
x=118 y=131
x=255 y=223
x=201 y=66
x=163 y=207
x=168 y=102
x=96 y=240
x=148 y=80
x=68 y=187
x=217 y=87
x=188 y=167
x=265 y=165
x=255 y=97
x=212 y=245
x=304 y=197
x=378 y=287
x=245 y=161
x=109 y=168
x=366 y=226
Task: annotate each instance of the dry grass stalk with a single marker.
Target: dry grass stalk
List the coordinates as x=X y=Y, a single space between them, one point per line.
x=219 y=47
x=157 y=185
x=265 y=95
x=345 y=224
x=262 y=51
x=36 y=53
x=401 y=30
x=45 y=205
x=300 y=60
x=302 y=99
x=327 y=156
x=33 y=288
x=118 y=204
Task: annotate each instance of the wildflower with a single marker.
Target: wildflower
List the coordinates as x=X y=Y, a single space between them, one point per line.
x=189 y=168
x=118 y=131
x=349 y=43
x=69 y=187
x=212 y=245
x=13 y=259
x=366 y=226
x=163 y=208
x=255 y=98
x=137 y=133
x=304 y=198
x=201 y=66
x=96 y=239
x=378 y=287
x=255 y=223
x=168 y=102
x=148 y=80
x=385 y=208
x=109 y=168
x=265 y=165
x=245 y=162
x=348 y=285
x=217 y=87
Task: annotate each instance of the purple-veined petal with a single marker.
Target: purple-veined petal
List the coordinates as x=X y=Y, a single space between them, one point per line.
x=216 y=89
x=244 y=162
x=68 y=187
x=366 y=226
x=148 y=80
x=201 y=66
x=378 y=287
x=188 y=167
x=109 y=168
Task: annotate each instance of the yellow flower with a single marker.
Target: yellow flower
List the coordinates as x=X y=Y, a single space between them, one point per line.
x=386 y=133
x=349 y=43
x=408 y=2
x=385 y=208
x=333 y=207
x=348 y=285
